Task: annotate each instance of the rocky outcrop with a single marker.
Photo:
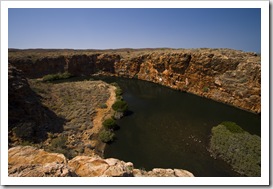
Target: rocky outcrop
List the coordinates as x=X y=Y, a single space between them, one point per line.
x=158 y=172
x=28 y=119
x=225 y=75
x=28 y=161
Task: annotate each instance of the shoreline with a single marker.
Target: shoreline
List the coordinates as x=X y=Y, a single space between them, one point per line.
x=101 y=114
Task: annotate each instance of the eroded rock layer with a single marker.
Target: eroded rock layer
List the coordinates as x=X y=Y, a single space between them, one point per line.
x=229 y=76
x=27 y=161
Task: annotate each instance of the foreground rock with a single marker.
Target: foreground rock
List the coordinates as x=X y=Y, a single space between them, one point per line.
x=157 y=172
x=32 y=162
x=229 y=76
x=28 y=161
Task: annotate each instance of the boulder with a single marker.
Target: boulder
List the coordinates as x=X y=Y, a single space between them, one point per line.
x=27 y=161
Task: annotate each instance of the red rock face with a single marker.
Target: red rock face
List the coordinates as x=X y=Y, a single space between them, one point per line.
x=225 y=75
x=231 y=77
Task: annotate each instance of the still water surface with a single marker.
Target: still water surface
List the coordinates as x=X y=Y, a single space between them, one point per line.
x=171 y=129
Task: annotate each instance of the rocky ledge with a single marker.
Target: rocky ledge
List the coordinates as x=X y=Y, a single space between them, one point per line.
x=27 y=161
x=225 y=75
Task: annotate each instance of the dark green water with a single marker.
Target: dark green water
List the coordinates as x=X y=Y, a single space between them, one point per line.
x=171 y=129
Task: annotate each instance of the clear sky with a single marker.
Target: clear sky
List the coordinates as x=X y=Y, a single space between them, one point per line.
x=238 y=28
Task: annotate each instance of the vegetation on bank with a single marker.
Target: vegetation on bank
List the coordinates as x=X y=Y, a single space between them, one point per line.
x=106 y=136
x=120 y=106
x=58 y=76
x=109 y=124
x=232 y=127
x=237 y=147
x=118 y=91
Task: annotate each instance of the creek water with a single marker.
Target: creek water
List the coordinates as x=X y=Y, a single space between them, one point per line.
x=171 y=129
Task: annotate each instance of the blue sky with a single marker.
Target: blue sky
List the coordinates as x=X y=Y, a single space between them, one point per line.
x=135 y=28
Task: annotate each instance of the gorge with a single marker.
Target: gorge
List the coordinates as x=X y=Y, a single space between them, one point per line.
x=224 y=75
x=229 y=76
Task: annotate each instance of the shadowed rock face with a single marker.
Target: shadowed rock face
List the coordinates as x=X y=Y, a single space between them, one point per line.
x=28 y=161
x=225 y=75
x=28 y=118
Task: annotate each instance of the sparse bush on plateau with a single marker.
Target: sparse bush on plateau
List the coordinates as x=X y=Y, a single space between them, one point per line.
x=103 y=106
x=58 y=145
x=59 y=142
x=58 y=76
x=206 y=89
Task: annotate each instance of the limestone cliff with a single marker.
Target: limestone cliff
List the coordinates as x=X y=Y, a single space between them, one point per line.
x=225 y=75
x=27 y=161
x=28 y=118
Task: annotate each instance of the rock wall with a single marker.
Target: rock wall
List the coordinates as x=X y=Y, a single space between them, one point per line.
x=27 y=161
x=225 y=75
x=28 y=119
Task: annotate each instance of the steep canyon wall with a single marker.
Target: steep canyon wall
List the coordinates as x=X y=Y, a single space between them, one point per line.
x=225 y=75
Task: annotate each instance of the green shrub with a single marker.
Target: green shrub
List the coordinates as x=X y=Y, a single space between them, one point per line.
x=240 y=149
x=24 y=131
x=103 y=106
x=118 y=91
x=206 y=89
x=59 y=142
x=120 y=106
x=58 y=76
x=69 y=154
x=109 y=124
x=106 y=136
x=26 y=143
x=50 y=77
x=58 y=145
x=232 y=127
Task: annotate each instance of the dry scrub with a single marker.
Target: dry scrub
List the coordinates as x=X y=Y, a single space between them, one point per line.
x=80 y=104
